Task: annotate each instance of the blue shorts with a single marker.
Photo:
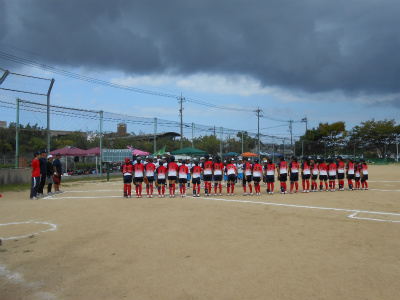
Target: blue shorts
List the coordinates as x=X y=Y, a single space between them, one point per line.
x=240 y=176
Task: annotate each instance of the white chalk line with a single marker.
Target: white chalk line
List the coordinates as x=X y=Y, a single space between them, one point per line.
x=52 y=228
x=353 y=211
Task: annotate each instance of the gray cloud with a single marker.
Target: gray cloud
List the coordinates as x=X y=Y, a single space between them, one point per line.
x=311 y=45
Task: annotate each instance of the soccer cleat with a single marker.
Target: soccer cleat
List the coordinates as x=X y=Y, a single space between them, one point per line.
x=220 y=194
x=215 y=194
x=282 y=192
x=251 y=194
x=159 y=196
x=148 y=196
x=304 y=191
x=151 y=196
x=244 y=194
x=291 y=192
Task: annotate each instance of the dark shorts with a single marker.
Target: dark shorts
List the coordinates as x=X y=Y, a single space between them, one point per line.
x=323 y=177
x=283 y=177
x=161 y=181
x=196 y=180
x=247 y=178
x=182 y=180
x=314 y=177
x=207 y=177
x=150 y=179
x=231 y=177
x=340 y=176
x=357 y=178
x=350 y=176
x=270 y=178
x=332 y=177
x=306 y=176
x=172 y=178
x=217 y=177
x=256 y=179
x=365 y=177
x=127 y=179
x=294 y=176
x=138 y=179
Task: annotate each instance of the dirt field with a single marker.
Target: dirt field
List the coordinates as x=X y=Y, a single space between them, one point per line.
x=91 y=243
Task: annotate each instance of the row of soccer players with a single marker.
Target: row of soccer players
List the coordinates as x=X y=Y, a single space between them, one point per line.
x=213 y=172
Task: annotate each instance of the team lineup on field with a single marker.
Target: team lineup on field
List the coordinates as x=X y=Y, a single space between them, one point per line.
x=206 y=173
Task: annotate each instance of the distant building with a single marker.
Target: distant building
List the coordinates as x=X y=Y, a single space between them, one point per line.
x=121 y=129
x=3 y=124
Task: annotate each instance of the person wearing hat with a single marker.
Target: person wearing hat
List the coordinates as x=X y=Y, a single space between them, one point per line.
x=332 y=169
x=217 y=175
x=239 y=167
x=43 y=171
x=294 y=174
x=208 y=167
x=231 y=171
x=138 y=170
x=35 y=175
x=49 y=178
x=257 y=172
x=323 y=175
x=57 y=172
x=340 y=166
x=195 y=173
x=127 y=171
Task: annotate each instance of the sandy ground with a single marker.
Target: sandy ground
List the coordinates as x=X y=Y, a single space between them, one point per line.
x=91 y=243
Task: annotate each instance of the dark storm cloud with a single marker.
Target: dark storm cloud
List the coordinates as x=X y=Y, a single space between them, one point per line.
x=311 y=45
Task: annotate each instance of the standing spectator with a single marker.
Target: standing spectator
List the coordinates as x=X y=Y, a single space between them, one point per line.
x=43 y=172
x=57 y=173
x=35 y=174
x=50 y=175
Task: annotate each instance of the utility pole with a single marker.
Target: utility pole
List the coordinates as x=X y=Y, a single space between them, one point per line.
x=48 y=115
x=305 y=120
x=258 y=131
x=291 y=132
x=181 y=100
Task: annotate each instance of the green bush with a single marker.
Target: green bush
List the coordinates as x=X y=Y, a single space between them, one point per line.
x=85 y=166
x=7 y=166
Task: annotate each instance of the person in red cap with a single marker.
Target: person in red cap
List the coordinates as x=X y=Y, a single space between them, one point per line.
x=127 y=171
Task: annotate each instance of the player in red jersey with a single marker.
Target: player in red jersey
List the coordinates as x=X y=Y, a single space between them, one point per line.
x=217 y=175
x=207 y=174
x=127 y=171
x=357 y=174
x=248 y=177
x=282 y=173
x=350 y=173
x=195 y=173
x=340 y=172
x=149 y=176
x=231 y=171
x=35 y=175
x=294 y=174
x=183 y=175
x=269 y=171
x=172 y=175
x=332 y=170
x=138 y=169
x=323 y=175
x=364 y=175
x=305 y=174
x=257 y=174
x=314 y=174
x=161 y=178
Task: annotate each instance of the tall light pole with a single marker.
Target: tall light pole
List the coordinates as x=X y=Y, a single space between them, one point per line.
x=258 y=131
x=181 y=100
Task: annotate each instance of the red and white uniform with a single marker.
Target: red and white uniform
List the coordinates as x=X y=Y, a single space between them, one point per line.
x=218 y=168
x=364 y=169
x=196 y=170
x=127 y=169
x=306 y=169
x=139 y=170
x=340 y=167
x=257 y=170
x=270 y=169
x=350 y=168
x=282 y=165
x=323 y=169
x=332 y=169
x=208 y=168
x=150 y=169
x=314 y=169
x=294 y=167
x=161 y=172
x=183 y=171
x=173 y=169
x=248 y=169
x=230 y=169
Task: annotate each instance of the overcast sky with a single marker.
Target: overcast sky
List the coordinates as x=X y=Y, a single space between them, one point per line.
x=330 y=60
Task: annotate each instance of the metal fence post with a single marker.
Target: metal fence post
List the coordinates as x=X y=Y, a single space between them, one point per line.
x=17 y=136
x=101 y=143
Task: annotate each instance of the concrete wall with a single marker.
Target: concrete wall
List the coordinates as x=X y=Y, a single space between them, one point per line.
x=15 y=176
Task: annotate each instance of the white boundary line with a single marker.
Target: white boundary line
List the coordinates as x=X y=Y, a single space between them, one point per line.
x=52 y=228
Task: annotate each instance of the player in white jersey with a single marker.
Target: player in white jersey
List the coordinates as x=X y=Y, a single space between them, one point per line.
x=239 y=167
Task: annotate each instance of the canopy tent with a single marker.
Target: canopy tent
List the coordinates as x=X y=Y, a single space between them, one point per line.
x=189 y=151
x=93 y=151
x=138 y=152
x=231 y=154
x=69 y=151
x=249 y=154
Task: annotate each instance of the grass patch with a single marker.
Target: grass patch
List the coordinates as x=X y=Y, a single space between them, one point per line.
x=3 y=250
